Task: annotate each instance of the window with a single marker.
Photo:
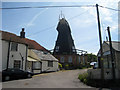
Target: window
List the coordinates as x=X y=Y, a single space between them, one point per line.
x=50 y=63
x=36 y=65
x=57 y=48
x=70 y=59
x=17 y=64
x=73 y=48
x=62 y=59
x=14 y=46
x=45 y=52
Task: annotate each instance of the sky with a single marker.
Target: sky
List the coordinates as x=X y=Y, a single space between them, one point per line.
x=40 y=23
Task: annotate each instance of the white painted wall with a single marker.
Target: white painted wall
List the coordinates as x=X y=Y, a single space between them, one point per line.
x=0 y=51
x=16 y=55
x=4 y=54
x=45 y=67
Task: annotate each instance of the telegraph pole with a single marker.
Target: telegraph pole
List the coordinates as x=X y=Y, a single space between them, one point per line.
x=111 y=53
x=101 y=48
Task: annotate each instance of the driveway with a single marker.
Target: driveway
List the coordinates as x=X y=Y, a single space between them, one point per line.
x=61 y=79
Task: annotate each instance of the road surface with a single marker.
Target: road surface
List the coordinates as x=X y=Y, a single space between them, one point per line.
x=61 y=79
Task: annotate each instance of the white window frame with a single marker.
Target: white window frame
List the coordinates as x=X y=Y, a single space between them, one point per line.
x=17 y=65
x=62 y=59
x=50 y=63
x=14 y=48
x=70 y=59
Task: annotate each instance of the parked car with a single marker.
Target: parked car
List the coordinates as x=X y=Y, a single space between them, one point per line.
x=12 y=73
x=95 y=66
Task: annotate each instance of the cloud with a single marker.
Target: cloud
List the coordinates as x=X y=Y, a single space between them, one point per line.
x=31 y=23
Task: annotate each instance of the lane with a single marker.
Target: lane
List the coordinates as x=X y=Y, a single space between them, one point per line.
x=62 y=79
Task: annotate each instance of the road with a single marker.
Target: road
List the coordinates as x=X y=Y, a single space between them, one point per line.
x=61 y=79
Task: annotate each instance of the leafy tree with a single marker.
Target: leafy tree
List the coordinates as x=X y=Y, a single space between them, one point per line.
x=92 y=57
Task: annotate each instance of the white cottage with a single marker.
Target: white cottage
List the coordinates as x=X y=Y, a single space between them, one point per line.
x=26 y=54
x=34 y=63
x=49 y=62
x=14 y=51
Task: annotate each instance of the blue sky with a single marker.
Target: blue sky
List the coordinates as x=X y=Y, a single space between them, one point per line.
x=40 y=24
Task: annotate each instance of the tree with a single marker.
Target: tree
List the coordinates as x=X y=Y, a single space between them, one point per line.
x=92 y=57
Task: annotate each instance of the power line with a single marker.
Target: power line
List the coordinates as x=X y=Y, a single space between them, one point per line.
x=78 y=15
x=109 y=8
x=46 y=29
x=50 y=6
x=61 y=6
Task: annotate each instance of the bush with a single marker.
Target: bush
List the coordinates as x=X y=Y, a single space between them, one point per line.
x=60 y=65
x=98 y=82
x=67 y=66
x=84 y=78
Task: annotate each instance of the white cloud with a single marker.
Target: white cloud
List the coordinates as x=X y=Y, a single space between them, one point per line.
x=31 y=23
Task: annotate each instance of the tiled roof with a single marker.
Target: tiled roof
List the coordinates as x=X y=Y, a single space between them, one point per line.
x=115 y=45
x=34 y=45
x=45 y=55
x=14 y=38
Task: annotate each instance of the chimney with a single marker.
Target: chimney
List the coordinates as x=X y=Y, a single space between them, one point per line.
x=22 y=33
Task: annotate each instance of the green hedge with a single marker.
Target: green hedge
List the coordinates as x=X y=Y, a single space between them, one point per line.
x=97 y=82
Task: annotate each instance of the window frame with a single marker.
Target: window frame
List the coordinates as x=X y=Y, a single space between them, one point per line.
x=18 y=65
x=14 y=46
x=50 y=63
x=70 y=59
x=62 y=59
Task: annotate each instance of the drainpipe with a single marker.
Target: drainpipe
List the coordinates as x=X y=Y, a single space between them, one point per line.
x=8 y=54
x=26 y=57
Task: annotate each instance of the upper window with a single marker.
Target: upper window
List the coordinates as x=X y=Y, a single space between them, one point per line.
x=14 y=46
x=73 y=48
x=50 y=63
x=57 y=48
x=62 y=59
x=70 y=59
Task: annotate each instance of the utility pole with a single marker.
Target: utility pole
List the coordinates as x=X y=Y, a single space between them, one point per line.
x=111 y=53
x=101 y=48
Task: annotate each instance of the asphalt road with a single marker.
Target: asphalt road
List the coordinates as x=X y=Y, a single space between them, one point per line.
x=61 y=79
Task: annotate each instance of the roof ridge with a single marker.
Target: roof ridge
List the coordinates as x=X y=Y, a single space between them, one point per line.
x=15 y=38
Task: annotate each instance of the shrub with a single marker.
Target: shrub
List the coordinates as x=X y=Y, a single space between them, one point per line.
x=98 y=82
x=66 y=66
x=84 y=78
x=60 y=65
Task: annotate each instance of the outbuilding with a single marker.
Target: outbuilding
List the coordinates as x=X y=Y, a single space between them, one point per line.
x=49 y=62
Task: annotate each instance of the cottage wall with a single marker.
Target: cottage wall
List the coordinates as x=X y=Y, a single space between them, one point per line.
x=117 y=57
x=14 y=55
x=4 y=54
x=0 y=59
x=0 y=52
x=45 y=67
x=107 y=64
